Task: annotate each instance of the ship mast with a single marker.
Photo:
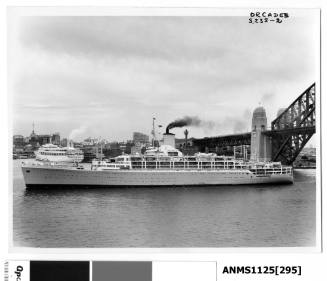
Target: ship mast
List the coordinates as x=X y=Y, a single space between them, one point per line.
x=153 y=131
x=101 y=149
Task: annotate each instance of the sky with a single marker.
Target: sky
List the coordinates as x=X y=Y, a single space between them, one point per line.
x=109 y=76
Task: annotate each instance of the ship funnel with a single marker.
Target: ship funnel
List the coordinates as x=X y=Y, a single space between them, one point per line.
x=169 y=139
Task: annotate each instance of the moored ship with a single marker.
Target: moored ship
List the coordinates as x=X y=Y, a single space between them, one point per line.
x=163 y=166
x=53 y=153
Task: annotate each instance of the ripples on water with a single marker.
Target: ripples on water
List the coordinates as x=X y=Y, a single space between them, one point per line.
x=224 y=216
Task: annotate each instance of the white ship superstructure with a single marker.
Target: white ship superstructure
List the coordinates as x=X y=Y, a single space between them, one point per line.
x=164 y=166
x=53 y=153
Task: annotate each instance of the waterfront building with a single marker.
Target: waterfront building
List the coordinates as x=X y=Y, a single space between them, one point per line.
x=43 y=139
x=64 y=142
x=55 y=139
x=90 y=152
x=140 y=138
x=137 y=148
x=18 y=141
x=114 y=149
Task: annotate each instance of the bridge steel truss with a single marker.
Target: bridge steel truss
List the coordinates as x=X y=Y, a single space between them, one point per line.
x=215 y=144
x=293 y=128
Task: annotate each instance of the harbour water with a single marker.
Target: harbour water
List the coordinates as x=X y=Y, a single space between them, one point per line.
x=224 y=216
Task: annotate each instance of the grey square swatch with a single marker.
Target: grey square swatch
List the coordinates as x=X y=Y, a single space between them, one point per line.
x=121 y=271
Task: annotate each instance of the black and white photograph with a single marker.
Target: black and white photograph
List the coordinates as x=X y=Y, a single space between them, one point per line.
x=182 y=128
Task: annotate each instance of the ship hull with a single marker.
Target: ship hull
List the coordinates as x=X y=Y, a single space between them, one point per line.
x=42 y=177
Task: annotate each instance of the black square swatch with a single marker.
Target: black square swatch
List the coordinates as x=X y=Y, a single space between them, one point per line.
x=59 y=270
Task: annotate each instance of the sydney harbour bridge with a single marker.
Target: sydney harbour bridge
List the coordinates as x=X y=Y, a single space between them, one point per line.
x=288 y=134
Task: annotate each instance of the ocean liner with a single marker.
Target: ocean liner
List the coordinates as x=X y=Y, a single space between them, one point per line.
x=53 y=153
x=163 y=166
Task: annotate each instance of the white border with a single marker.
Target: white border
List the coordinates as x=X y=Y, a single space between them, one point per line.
x=15 y=13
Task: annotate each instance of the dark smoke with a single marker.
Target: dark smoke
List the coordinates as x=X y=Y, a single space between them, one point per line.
x=188 y=121
x=239 y=123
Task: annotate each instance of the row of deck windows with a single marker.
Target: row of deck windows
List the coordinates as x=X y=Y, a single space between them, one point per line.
x=52 y=153
x=59 y=153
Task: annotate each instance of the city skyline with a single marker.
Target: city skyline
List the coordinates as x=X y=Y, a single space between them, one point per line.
x=86 y=139
x=82 y=76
